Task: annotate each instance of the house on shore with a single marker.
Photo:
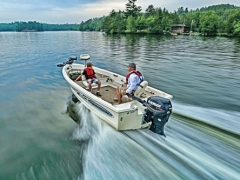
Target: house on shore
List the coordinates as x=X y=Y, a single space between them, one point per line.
x=180 y=28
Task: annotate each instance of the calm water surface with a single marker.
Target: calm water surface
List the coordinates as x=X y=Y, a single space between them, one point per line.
x=39 y=140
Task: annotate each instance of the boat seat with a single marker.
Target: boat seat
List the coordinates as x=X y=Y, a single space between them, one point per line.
x=141 y=88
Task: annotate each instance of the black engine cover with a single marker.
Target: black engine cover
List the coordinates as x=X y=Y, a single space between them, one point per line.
x=157 y=103
x=159 y=109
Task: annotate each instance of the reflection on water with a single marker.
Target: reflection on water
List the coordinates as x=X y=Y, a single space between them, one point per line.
x=40 y=141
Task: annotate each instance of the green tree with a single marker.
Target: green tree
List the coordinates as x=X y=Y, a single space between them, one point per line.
x=166 y=24
x=114 y=23
x=109 y=23
x=236 y=26
x=157 y=26
x=180 y=10
x=150 y=23
x=121 y=22
x=209 y=23
x=166 y=21
x=234 y=16
x=174 y=17
x=132 y=9
x=141 y=23
x=150 y=11
x=130 y=26
x=193 y=20
x=106 y=24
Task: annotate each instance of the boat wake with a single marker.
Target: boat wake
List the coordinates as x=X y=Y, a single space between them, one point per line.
x=112 y=155
x=194 y=148
x=227 y=121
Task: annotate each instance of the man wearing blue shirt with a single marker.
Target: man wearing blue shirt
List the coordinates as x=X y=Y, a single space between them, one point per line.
x=133 y=79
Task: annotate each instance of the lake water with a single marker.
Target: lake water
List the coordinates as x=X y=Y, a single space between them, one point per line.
x=39 y=140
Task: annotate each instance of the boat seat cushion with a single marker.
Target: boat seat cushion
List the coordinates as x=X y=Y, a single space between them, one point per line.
x=141 y=88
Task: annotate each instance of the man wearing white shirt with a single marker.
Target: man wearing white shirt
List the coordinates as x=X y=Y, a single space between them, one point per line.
x=133 y=79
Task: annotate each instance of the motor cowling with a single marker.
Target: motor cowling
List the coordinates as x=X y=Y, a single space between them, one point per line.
x=158 y=111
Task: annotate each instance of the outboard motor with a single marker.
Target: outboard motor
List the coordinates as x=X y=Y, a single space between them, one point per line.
x=158 y=112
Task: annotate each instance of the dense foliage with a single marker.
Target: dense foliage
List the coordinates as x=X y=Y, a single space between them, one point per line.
x=36 y=26
x=29 y=26
x=94 y=24
x=60 y=27
x=213 y=20
x=221 y=19
x=8 y=26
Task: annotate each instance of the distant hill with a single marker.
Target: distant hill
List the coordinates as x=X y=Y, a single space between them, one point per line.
x=33 y=26
x=219 y=7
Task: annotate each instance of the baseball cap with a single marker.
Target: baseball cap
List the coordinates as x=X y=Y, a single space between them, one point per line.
x=132 y=65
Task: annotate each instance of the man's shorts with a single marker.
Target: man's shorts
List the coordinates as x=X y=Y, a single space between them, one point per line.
x=122 y=88
x=93 y=80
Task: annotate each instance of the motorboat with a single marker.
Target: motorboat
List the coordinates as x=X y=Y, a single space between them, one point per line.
x=148 y=107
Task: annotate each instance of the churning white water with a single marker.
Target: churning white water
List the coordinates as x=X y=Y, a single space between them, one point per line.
x=112 y=155
x=142 y=154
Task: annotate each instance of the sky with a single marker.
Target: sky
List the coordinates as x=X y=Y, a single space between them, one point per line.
x=76 y=11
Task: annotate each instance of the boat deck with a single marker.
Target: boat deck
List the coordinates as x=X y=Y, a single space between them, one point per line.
x=108 y=89
x=108 y=93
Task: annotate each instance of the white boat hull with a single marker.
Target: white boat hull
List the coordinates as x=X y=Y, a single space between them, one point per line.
x=123 y=116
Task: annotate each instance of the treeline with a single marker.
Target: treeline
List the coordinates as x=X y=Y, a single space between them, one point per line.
x=61 y=27
x=36 y=26
x=94 y=24
x=8 y=26
x=214 y=20
x=221 y=19
x=29 y=26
